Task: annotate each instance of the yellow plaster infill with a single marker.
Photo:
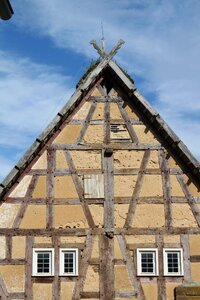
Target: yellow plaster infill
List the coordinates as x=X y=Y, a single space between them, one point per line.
x=40 y=188
x=120 y=214
x=34 y=217
x=61 y=162
x=124 y=185
x=96 y=93
x=171 y=239
x=94 y=134
x=172 y=163
x=175 y=186
x=42 y=239
x=97 y=212
x=21 y=189
x=69 y=216
x=191 y=187
x=170 y=290
x=68 y=135
x=66 y=290
x=130 y=111
x=144 y=135
x=149 y=215
x=2 y=247
x=87 y=159
x=91 y=280
x=8 y=213
x=117 y=250
x=194 y=244
x=115 y=113
x=99 y=112
x=151 y=186
x=127 y=159
x=64 y=187
x=95 y=248
x=150 y=291
x=83 y=111
x=153 y=162
x=13 y=277
x=195 y=274
x=18 y=247
x=72 y=239
x=140 y=239
x=41 y=163
x=182 y=215
x=122 y=280
x=42 y=289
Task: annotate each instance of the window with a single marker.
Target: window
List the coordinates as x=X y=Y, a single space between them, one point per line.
x=119 y=133
x=173 y=262
x=68 y=262
x=43 y=262
x=147 y=262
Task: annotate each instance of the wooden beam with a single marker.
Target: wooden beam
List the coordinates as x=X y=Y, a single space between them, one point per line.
x=107 y=286
x=79 y=189
x=166 y=188
x=161 y=279
x=131 y=268
x=28 y=267
x=86 y=122
x=51 y=165
x=186 y=257
x=137 y=189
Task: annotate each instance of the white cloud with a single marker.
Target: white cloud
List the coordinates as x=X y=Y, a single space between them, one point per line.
x=162 y=46
x=31 y=95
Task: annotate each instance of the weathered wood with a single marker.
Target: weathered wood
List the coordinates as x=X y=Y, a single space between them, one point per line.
x=86 y=122
x=21 y=212
x=88 y=295
x=101 y=146
x=137 y=189
x=28 y=268
x=107 y=288
x=194 y=258
x=8 y=247
x=7 y=261
x=191 y=202
x=56 y=280
x=166 y=188
x=107 y=123
x=16 y=295
x=161 y=278
x=131 y=268
x=83 y=267
x=79 y=189
x=107 y=162
x=51 y=165
x=129 y=126
x=125 y=294
x=186 y=257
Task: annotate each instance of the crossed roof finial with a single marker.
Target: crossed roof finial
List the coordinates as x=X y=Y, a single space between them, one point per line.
x=102 y=52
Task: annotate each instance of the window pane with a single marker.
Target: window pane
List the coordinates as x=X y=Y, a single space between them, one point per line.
x=69 y=262
x=173 y=262
x=43 y=262
x=147 y=262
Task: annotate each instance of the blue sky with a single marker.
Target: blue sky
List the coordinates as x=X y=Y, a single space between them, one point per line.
x=44 y=49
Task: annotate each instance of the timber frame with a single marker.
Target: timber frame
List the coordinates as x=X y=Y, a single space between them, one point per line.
x=120 y=227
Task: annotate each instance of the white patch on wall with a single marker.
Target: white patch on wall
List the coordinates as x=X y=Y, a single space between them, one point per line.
x=21 y=189
x=93 y=186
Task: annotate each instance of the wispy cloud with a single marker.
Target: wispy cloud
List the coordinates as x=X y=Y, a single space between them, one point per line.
x=162 y=48
x=31 y=95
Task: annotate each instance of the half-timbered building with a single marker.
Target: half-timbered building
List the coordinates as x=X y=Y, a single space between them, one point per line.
x=105 y=203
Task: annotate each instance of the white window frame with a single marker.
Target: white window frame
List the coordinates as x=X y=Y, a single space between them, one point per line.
x=180 y=262
x=75 y=264
x=36 y=251
x=139 y=261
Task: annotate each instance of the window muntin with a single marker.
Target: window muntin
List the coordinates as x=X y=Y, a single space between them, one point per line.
x=43 y=262
x=147 y=262
x=68 y=262
x=173 y=262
